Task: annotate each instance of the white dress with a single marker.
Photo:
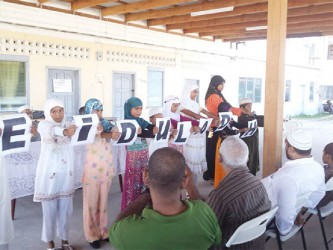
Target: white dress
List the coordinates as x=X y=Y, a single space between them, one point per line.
x=55 y=169
x=194 y=150
x=6 y=223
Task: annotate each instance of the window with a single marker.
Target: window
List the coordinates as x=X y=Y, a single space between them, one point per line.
x=13 y=89
x=287 y=91
x=155 y=88
x=250 y=88
x=326 y=92
x=311 y=91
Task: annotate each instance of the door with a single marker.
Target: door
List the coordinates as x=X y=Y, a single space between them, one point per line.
x=64 y=85
x=123 y=89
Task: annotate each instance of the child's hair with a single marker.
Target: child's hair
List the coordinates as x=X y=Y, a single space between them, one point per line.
x=329 y=149
x=81 y=111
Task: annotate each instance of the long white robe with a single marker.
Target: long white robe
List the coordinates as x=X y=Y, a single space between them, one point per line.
x=6 y=223
x=55 y=169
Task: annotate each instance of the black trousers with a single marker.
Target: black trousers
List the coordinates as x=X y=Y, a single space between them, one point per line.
x=210 y=156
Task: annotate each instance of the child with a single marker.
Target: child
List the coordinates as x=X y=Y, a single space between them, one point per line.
x=137 y=154
x=195 y=147
x=252 y=141
x=54 y=183
x=97 y=178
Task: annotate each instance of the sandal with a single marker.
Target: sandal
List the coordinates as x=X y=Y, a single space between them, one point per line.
x=65 y=247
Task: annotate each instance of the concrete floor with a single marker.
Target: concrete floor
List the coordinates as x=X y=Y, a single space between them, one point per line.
x=28 y=217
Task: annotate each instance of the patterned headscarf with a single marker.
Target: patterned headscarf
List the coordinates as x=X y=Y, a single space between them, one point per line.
x=95 y=104
x=50 y=104
x=169 y=100
x=132 y=103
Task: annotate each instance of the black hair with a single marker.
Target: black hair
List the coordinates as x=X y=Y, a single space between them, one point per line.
x=166 y=169
x=329 y=149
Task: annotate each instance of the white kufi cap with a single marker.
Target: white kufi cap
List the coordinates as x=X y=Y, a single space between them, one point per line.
x=300 y=139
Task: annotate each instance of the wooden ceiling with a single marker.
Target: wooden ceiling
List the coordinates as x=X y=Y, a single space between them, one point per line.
x=305 y=17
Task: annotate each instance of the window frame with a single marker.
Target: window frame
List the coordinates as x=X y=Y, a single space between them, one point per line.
x=25 y=60
x=247 y=94
x=149 y=104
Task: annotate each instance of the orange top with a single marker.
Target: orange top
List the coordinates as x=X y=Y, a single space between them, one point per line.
x=214 y=100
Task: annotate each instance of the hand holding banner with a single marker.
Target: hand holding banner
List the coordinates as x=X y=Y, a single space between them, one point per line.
x=164 y=127
x=128 y=130
x=16 y=134
x=204 y=124
x=86 y=129
x=253 y=126
x=225 y=118
x=183 y=132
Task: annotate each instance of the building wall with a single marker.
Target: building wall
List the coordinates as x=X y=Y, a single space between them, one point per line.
x=72 y=42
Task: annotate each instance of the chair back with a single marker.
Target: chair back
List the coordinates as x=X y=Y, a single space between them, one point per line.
x=251 y=229
x=329 y=184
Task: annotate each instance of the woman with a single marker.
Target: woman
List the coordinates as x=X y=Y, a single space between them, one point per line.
x=213 y=99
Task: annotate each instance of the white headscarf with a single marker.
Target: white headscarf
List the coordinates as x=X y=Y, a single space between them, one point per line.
x=50 y=104
x=169 y=100
x=186 y=100
x=22 y=108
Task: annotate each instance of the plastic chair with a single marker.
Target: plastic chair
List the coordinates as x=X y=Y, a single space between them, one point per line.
x=251 y=229
x=274 y=232
x=323 y=212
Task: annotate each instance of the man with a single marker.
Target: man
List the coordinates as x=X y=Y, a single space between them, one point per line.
x=300 y=177
x=170 y=223
x=240 y=196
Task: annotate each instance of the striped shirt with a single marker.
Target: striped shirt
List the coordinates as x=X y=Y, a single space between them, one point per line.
x=238 y=198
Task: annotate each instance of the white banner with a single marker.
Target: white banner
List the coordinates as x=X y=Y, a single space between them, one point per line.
x=86 y=129
x=183 y=132
x=128 y=130
x=225 y=118
x=16 y=134
x=164 y=126
x=253 y=126
x=204 y=124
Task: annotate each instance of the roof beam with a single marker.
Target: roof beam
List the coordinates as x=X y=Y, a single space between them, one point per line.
x=181 y=10
x=88 y=3
x=325 y=11
x=292 y=21
x=241 y=10
x=140 y=6
x=237 y=33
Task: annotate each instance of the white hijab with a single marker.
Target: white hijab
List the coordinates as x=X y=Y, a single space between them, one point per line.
x=169 y=100
x=50 y=104
x=186 y=100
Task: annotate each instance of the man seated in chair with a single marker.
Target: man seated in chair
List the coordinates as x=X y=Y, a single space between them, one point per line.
x=240 y=196
x=328 y=168
x=160 y=219
x=300 y=177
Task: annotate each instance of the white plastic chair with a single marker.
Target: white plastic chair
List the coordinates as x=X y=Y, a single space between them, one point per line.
x=274 y=233
x=323 y=212
x=251 y=229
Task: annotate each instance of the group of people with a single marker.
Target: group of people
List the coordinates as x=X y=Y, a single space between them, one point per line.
x=155 y=176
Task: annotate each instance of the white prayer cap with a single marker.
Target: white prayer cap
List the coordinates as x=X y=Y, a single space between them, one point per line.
x=155 y=110
x=172 y=99
x=22 y=108
x=245 y=101
x=300 y=139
